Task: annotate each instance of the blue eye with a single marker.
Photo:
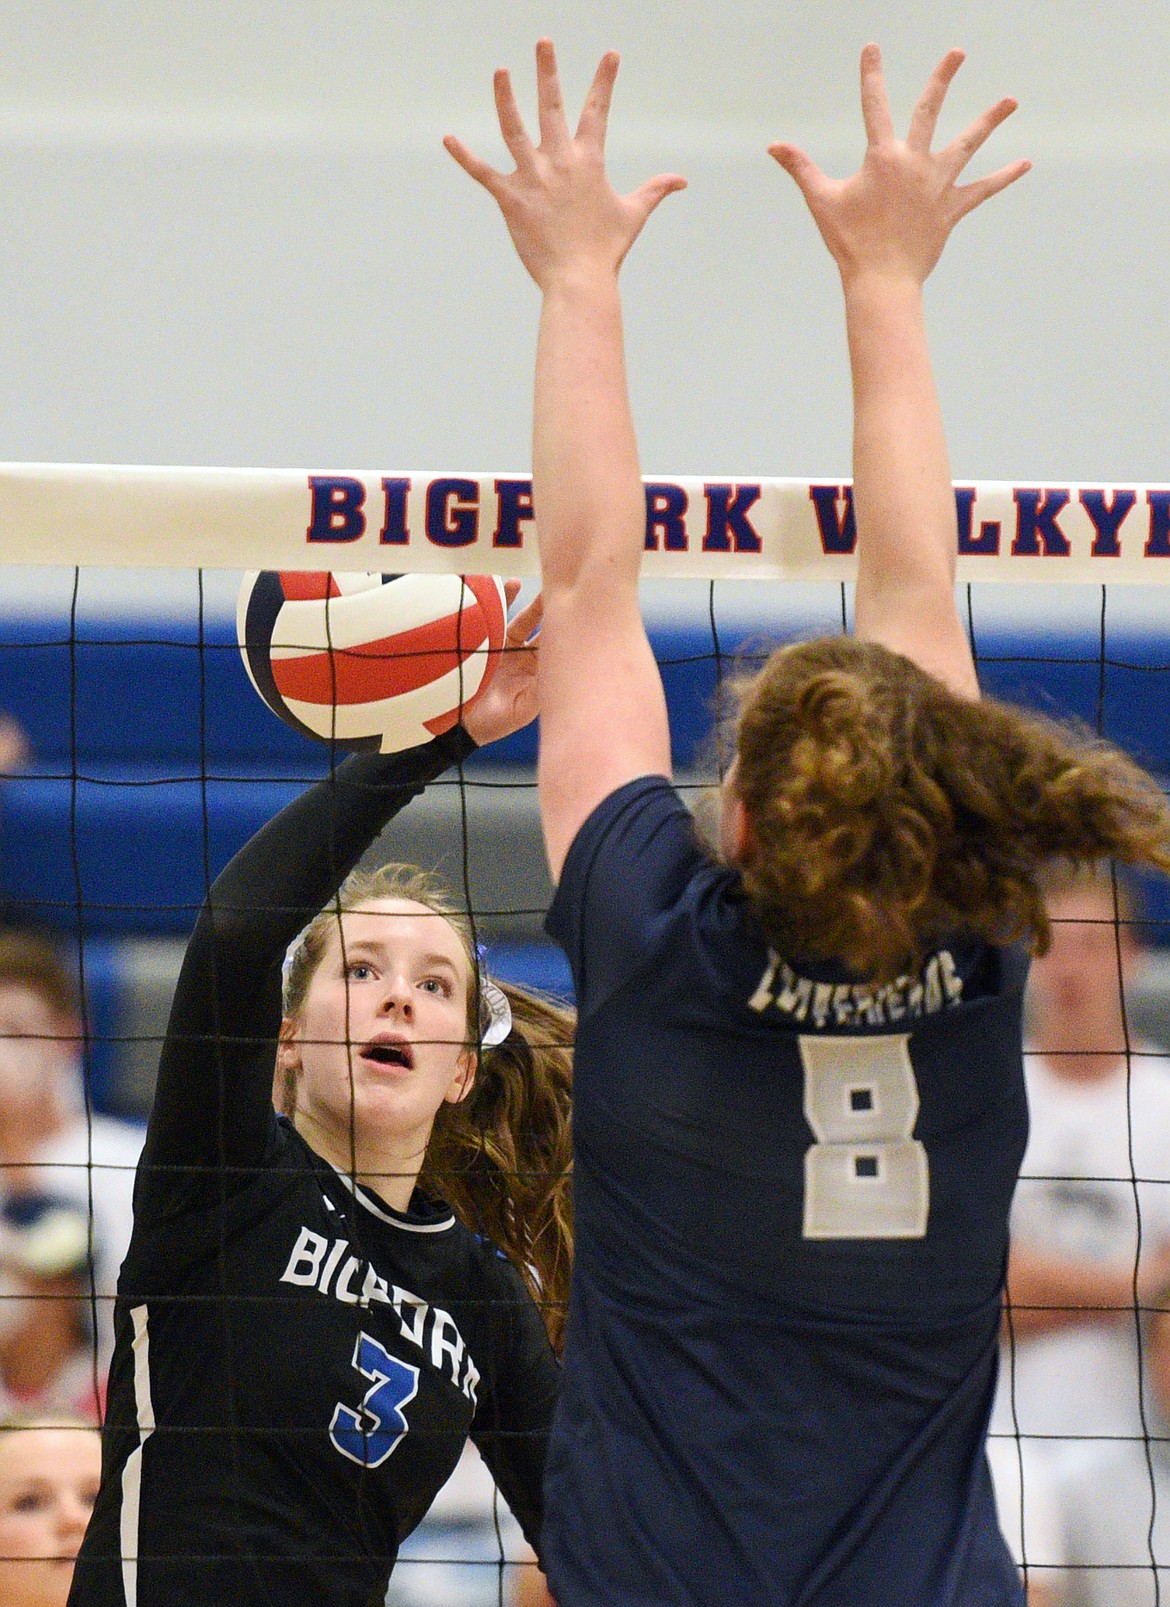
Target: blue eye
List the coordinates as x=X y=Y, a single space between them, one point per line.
x=359 y=970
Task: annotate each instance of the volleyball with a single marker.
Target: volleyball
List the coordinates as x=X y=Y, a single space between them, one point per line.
x=370 y=661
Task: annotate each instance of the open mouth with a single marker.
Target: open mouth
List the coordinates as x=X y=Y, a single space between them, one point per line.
x=390 y=1052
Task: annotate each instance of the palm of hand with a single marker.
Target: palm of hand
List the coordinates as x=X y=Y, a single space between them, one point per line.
x=511 y=699
x=894 y=215
x=560 y=208
x=891 y=217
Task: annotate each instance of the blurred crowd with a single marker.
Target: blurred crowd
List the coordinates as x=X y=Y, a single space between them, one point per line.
x=1079 y=1446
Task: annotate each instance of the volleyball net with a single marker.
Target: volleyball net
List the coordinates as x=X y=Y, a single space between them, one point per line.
x=151 y=760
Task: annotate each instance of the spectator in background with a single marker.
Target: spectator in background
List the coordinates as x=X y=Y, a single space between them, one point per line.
x=13 y=745
x=1099 y=1105
x=48 y=1141
x=13 y=753
x=1117 y=1508
x=47 y=1361
x=49 y=1474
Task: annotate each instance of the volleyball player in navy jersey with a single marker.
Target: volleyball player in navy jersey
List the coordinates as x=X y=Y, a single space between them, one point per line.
x=305 y=1339
x=798 y=1096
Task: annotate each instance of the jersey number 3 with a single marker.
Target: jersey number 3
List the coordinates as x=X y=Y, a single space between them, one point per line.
x=865 y=1177
x=368 y=1435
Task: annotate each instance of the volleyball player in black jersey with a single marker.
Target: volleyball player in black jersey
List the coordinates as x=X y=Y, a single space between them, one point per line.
x=304 y=1340
x=798 y=1097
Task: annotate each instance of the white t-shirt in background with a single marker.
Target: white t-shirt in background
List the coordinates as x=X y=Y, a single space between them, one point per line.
x=1078 y=1197
x=101 y=1155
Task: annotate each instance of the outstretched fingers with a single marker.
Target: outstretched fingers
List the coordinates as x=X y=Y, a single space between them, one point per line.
x=961 y=149
x=969 y=196
x=508 y=112
x=482 y=172
x=594 y=118
x=875 y=105
x=649 y=195
x=526 y=623
x=925 y=117
x=554 y=129
x=803 y=171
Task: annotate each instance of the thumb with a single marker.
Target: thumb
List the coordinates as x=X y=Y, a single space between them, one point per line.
x=655 y=190
x=803 y=171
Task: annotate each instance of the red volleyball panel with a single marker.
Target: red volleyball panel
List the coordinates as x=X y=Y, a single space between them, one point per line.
x=490 y=599
x=487 y=594
x=384 y=668
x=307 y=586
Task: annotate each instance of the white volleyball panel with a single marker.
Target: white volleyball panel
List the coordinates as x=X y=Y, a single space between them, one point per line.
x=400 y=721
x=407 y=603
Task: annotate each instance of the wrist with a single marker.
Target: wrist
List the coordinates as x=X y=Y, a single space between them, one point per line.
x=869 y=284
x=581 y=280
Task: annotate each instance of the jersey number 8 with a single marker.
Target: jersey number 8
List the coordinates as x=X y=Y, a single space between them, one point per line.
x=866 y=1177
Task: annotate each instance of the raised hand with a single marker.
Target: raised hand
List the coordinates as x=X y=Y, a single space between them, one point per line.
x=561 y=210
x=894 y=215
x=511 y=700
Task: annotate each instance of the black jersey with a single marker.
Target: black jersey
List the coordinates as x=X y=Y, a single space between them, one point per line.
x=791 y=1194
x=297 y=1365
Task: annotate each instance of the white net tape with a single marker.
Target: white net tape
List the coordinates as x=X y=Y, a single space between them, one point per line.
x=711 y=528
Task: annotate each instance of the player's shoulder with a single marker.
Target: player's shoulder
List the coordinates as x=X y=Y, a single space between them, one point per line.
x=488 y=1263
x=482 y=1283
x=644 y=819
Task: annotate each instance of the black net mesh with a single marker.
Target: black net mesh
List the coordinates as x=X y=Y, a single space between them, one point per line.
x=149 y=760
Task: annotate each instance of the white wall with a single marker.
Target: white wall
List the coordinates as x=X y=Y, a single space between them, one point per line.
x=230 y=234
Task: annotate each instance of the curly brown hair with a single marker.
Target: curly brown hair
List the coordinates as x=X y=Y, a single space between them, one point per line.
x=502 y=1158
x=886 y=812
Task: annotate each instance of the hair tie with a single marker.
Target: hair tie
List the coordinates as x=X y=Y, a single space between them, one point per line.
x=495 y=1013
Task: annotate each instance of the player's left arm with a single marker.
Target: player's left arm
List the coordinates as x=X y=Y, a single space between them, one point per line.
x=517 y=1398
x=603 y=712
x=886 y=228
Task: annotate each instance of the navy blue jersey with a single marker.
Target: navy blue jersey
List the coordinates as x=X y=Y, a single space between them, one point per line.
x=296 y=1365
x=792 y=1195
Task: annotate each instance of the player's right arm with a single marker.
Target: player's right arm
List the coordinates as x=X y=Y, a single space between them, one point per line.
x=603 y=712
x=886 y=228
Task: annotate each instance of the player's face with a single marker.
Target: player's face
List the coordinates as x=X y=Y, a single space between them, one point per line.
x=1075 y=989
x=383 y=1029
x=48 y=1484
